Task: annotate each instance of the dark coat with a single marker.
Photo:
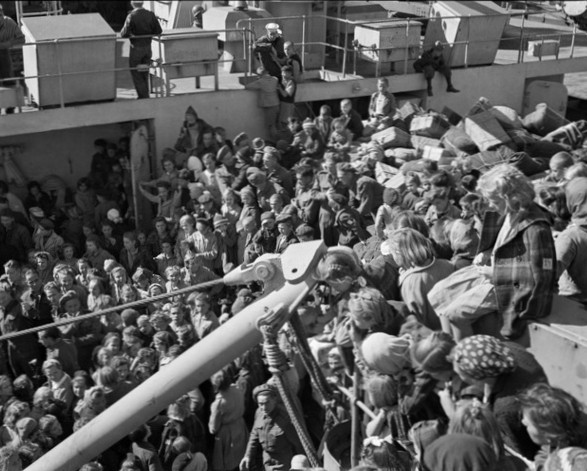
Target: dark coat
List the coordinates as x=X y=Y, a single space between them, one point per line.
x=524 y=272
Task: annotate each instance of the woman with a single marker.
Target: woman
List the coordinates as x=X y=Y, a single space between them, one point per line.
x=499 y=371
x=517 y=248
x=553 y=419
x=227 y=423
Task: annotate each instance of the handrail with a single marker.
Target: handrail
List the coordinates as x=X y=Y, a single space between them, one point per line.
x=248 y=35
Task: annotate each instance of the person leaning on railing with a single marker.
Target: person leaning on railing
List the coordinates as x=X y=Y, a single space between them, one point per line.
x=139 y=26
x=10 y=35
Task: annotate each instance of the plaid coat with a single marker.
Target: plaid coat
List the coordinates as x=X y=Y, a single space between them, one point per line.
x=524 y=272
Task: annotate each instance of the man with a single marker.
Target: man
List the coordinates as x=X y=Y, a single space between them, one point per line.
x=353 y=120
x=432 y=60
x=140 y=22
x=34 y=300
x=59 y=382
x=286 y=235
x=46 y=239
x=307 y=197
x=268 y=99
x=275 y=172
x=10 y=35
x=273 y=440
x=365 y=194
x=59 y=349
x=270 y=50
x=16 y=235
x=265 y=188
x=23 y=351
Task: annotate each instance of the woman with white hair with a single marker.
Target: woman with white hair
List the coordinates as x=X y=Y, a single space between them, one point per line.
x=517 y=247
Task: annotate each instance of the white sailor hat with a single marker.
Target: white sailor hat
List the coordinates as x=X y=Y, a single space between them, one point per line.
x=273 y=27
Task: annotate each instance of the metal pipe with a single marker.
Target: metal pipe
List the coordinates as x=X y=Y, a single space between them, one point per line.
x=59 y=72
x=355 y=420
x=360 y=404
x=197 y=364
x=304 y=41
x=521 y=47
x=573 y=40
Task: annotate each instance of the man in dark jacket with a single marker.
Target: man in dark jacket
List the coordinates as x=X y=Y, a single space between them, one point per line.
x=140 y=22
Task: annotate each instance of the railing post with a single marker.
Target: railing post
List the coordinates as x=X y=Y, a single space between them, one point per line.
x=406 y=53
x=355 y=419
x=250 y=47
x=467 y=43
x=344 y=56
x=573 y=39
x=304 y=41
x=60 y=73
x=521 y=47
x=164 y=85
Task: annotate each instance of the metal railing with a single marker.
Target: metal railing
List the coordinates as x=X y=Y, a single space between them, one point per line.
x=245 y=28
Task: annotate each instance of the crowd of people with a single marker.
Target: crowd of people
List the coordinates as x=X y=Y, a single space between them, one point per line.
x=428 y=292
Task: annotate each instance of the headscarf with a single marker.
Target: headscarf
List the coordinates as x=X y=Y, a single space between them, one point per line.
x=483 y=356
x=386 y=354
x=459 y=452
x=370 y=301
x=567 y=459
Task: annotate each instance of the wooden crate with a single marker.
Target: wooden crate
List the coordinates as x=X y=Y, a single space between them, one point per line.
x=392 y=137
x=480 y=22
x=429 y=126
x=485 y=131
x=81 y=46
x=389 y=41
x=542 y=48
x=181 y=49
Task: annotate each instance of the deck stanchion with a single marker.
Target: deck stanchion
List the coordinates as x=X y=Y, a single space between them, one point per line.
x=355 y=420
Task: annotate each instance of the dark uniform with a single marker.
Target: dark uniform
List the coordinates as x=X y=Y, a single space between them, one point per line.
x=140 y=22
x=275 y=438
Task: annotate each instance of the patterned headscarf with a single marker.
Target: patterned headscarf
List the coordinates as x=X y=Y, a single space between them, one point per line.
x=567 y=459
x=483 y=356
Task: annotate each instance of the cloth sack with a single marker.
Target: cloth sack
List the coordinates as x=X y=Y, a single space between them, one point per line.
x=466 y=294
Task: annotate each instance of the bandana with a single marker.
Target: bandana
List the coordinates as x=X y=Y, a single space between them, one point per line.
x=483 y=356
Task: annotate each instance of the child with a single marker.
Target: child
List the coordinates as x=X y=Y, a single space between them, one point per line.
x=69 y=256
x=558 y=165
x=209 y=177
x=202 y=317
x=231 y=209
x=324 y=122
x=420 y=270
x=412 y=194
x=441 y=211
x=382 y=108
x=167 y=257
x=387 y=212
x=473 y=207
x=340 y=140
x=118 y=278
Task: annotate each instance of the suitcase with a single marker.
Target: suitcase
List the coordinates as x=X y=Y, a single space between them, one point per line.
x=543 y=120
x=429 y=125
x=392 y=137
x=419 y=142
x=457 y=140
x=485 y=131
